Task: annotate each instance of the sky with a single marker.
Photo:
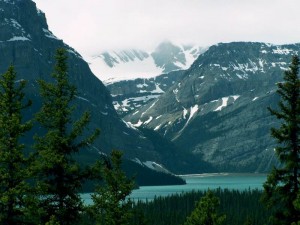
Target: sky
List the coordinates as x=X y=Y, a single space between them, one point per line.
x=94 y=26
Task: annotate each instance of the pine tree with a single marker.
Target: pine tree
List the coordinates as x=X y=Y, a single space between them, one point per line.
x=14 y=190
x=111 y=206
x=59 y=176
x=205 y=212
x=282 y=185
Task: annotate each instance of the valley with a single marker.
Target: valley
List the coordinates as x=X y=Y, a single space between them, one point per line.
x=149 y=112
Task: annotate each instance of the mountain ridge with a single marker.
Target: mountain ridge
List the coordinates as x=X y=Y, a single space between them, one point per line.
x=220 y=104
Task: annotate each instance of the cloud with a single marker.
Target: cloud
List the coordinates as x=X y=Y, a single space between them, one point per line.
x=91 y=26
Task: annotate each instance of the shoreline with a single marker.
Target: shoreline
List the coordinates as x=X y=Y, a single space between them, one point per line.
x=220 y=174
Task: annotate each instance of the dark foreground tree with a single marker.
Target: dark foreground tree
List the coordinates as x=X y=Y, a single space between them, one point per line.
x=59 y=176
x=282 y=185
x=111 y=206
x=206 y=211
x=15 y=199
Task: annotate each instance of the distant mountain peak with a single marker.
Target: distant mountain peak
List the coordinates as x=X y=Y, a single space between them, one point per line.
x=113 y=66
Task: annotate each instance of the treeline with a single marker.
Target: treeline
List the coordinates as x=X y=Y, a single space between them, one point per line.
x=240 y=207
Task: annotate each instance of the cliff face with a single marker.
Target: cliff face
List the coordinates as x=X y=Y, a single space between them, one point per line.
x=27 y=43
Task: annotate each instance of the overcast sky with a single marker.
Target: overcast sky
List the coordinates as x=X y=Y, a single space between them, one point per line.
x=92 y=26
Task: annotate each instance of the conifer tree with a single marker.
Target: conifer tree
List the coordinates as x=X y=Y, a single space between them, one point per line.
x=206 y=211
x=110 y=204
x=14 y=190
x=282 y=185
x=59 y=176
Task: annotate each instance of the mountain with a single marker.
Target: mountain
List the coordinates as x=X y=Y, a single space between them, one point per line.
x=129 y=95
x=28 y=44
x=218 y=109
x=113 y=66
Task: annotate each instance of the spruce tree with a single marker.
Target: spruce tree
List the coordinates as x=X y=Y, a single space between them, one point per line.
x=282 y=185
x=206 y=211
x=59 y=176
x=111 y=206
x=14 y=166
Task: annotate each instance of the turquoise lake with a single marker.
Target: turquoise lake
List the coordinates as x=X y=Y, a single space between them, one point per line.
x=198 y=182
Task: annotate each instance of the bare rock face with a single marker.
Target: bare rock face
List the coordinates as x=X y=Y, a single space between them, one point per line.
x=218 y=110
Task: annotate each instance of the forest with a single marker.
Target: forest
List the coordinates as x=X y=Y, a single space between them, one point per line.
x=240 y=207
x=44 y=187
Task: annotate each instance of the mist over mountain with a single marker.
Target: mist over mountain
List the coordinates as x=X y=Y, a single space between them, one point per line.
x=113 y=66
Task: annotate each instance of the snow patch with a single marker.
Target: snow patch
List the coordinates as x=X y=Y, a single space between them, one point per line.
x=49 y=34
x=145 y=68
x=185 y=112
x=138 y=124
x=179 y=64
x=135 y=113
x=20 y=38
x=74 y=53
x=155 y=166
x=157 y=90
x=235 y=97
x=149 y=120
x=137 y=161
x=224 y=68
x=282 y=51
x=15 y=24
x=129 y=125
x=194 y=109
x=157 y=127
x=142 y=85
x=143 y=98
x=225 y=102
x=149 y=108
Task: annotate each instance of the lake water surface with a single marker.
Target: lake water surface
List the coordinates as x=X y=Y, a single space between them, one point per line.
x=198 y=182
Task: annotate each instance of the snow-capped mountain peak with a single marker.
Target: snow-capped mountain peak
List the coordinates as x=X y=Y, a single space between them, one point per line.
x=113 y=66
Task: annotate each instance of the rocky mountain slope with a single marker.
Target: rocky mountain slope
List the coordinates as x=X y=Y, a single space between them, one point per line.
x=28 y=44
x=129 y=95
x=114 y=66
x=218 y=110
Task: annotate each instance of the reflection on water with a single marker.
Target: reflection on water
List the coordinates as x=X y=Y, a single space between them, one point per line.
x=198 y=182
